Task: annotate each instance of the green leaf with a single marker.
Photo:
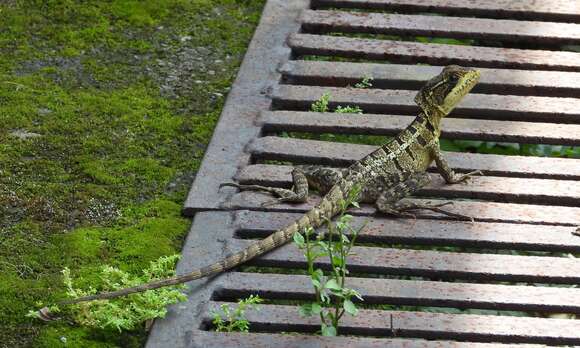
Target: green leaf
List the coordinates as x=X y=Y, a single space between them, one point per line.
x=305 y=310
x=316 y=308
x=350 y=307
x=333 y=285
x=328 y=330
x=337 y=261
x=299 y=239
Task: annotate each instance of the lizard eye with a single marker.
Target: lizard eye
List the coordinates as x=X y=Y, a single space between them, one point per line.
x=453 y=79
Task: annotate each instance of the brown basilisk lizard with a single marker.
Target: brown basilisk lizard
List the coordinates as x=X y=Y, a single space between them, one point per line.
x=384 y=177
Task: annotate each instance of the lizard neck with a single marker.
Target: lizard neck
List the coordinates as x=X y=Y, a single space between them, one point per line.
x=434 y=119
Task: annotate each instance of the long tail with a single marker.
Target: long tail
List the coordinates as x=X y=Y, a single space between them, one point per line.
x=313 y=218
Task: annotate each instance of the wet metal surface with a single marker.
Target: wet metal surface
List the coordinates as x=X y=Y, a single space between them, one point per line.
x=453 y=128
x=412 y=292
x=476 y=106
x=258 y=224
x=452 y=27
x=427 y=325
x=439 y=54
x=401 y=76
x=556 y=10
x=341 y=154
x=517 y=254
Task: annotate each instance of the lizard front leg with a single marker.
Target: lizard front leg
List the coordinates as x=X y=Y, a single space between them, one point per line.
x=446 y=172
x=388 y=200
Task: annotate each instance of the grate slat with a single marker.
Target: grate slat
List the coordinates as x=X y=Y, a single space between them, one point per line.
x=436 y=264
x=263 y=340
x=452 y=27
x=481 y=210
x=382 y=230
x=486 y=106
x=341 y=154
x=425 y=325
x=412 y=292
x=545 y=9
x=435 y=54
x=453 y=128
x=401 y=76
x=499 y=189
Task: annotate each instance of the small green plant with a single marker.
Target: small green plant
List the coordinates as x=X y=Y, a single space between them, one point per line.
x=123 y=313
x=332 y=298
x=321 y=105
x=234 y=320
x=348 y=110
x=367 y=82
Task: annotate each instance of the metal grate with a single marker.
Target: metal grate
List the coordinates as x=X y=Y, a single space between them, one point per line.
x=506 y=276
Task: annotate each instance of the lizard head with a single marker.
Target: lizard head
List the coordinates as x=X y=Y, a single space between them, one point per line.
x=442 y=93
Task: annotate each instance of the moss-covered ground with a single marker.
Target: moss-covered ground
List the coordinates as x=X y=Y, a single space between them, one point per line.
x=106 y=107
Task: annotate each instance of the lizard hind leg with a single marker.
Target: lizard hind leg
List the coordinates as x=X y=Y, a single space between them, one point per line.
x=388 y=201
x=304 y=177
x=298 y=194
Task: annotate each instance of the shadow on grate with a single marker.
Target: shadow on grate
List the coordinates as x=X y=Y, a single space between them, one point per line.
x=508 y=278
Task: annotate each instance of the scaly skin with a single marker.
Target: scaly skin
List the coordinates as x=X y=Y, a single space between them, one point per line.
x=385 y=176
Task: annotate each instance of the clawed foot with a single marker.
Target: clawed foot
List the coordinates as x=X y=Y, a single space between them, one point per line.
x=464 y=177
x=576 y=232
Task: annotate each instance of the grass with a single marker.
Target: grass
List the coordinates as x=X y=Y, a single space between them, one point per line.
x=105 y=111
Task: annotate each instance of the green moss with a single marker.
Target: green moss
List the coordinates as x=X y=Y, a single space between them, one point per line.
x=102 y=127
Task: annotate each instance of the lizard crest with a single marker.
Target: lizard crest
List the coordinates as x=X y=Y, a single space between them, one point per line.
x=442 y=93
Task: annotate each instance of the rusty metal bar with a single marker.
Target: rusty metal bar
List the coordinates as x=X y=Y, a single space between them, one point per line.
x=386 y=230
x=411 y=292
x=452 y=128
x=479 y=106
x=342 y=154
x=436 y=264
x=453 y=27
x=266 y=340
x=478 y=328
x=498 y=189
x=401 y=76
x=555 y=10
x=434 y=54
x=482 y=211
